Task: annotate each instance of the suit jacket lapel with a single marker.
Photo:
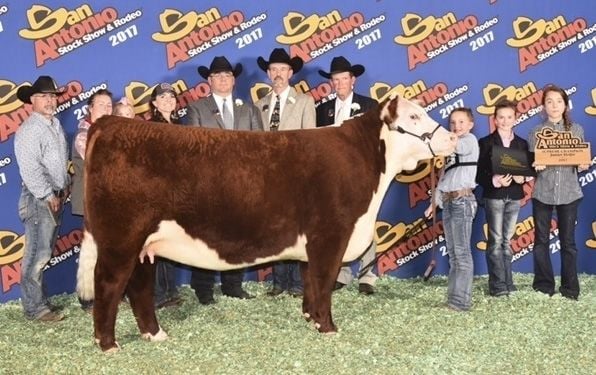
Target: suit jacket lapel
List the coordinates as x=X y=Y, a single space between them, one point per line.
x=212 y=105
x=237 y=111
x=355 y=99
x=330 y=111
x=265 y=102
x=289 y=107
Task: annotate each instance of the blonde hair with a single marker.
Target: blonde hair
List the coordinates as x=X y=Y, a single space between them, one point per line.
x=122 y=109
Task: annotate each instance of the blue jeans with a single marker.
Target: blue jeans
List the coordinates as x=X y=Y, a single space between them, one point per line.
x=286 y=276
x=544 y=280
x=40 y=236
x=165 y=281
x=458 y=215
x=501 y=216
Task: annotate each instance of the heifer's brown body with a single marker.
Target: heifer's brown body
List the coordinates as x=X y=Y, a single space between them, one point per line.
x=247 y=195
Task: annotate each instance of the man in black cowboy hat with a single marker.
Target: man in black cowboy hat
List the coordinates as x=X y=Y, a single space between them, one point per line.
x=346 y=104
x=285 y=109
x=221 y=110
x=296 y=110
x=42 y=156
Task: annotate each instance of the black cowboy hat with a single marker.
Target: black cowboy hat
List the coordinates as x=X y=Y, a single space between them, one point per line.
x=340 y=64
x=279 y=55
x=219 y=64
x=43 y=84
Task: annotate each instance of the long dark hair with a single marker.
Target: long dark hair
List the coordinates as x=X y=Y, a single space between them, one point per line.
x=553 y=88
x=157 y=116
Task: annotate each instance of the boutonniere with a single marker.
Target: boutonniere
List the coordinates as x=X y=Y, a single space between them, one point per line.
x=265 y=107
x=238 y=102
x=355 y=107
x=291 y=100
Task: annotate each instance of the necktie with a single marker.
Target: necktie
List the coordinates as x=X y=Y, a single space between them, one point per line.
x=227 y=116
x=274 y=123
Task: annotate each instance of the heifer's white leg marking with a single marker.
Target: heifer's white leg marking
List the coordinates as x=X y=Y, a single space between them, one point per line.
x=86 y=270
x=171 y=241
x=161 y=335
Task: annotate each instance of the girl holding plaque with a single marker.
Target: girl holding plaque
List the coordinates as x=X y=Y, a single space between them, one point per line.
x=556 y=188
x=502 y=192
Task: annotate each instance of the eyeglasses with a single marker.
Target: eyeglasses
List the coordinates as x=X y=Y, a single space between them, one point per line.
x=45 y=96
x=221 y=75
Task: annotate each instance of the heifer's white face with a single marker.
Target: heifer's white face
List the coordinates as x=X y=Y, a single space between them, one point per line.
x=411 y=135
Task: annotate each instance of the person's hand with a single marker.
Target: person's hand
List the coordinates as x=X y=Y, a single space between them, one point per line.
x=54 y=203
x=505 y=180
x=428 y=213
x=519 y=179
x=538 y=167
x=66 y=193
x=583 y=167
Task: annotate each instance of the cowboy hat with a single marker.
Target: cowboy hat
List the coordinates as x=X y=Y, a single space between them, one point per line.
x=219 y=64
x=340 y=64
x=162 y=88
x=279 y=55
x=43 y=84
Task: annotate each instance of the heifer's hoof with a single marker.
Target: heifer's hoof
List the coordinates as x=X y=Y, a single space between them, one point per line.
x=326 y=328
x=307 y=316
x=161 y=335
x=109 y=349
x=113 y=350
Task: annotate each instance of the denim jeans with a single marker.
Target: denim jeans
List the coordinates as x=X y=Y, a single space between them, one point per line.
x=544 y=280
x=286 y=276
x=458 y=215
x=501 y=217
x=165 y=281
x=40 y=238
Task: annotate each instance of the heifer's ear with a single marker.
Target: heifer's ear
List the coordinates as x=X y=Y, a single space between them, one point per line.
x=389 y=113
x=417 y=101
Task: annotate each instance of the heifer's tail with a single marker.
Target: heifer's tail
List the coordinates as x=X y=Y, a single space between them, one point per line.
x=86 y=270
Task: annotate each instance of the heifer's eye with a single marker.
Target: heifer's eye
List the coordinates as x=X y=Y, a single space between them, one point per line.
x=414 y=117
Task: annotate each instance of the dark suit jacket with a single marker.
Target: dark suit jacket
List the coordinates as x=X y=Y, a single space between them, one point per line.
x=326 y=111
x=204 y=112
x=484 y=174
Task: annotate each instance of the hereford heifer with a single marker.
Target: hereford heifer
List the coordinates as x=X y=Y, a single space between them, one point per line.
x=221 y=200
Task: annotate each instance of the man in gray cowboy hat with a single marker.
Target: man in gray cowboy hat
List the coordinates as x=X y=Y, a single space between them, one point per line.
x=42 y=157
x=221 y=110
x=346 y=104
x=285 y=109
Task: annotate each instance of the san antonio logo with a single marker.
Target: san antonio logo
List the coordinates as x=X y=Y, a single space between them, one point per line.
x=314 y=35
x=429 y=37
x=539 y=40
x=187 y=35
x=58 y=32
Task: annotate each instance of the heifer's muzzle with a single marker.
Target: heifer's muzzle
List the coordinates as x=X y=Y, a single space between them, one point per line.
x=424 y=137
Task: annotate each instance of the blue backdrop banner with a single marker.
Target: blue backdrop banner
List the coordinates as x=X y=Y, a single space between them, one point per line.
x=447 y=54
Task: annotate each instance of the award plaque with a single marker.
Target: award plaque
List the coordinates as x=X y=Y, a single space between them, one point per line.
x=560 y=148
x=511 y=161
